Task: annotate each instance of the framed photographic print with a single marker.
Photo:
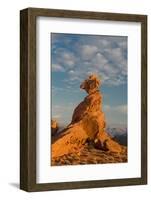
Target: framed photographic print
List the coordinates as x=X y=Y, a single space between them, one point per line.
x=83 y=99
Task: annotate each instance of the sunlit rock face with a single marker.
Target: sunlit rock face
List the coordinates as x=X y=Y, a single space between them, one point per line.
x=87 y=125
x=54 y=126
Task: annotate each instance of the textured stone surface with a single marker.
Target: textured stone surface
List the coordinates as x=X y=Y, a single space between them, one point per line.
x=54 y=126
x=89 y=155
x=87 y=127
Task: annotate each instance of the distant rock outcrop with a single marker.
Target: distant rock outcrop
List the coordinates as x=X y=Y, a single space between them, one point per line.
x=87 y=126
x=54 y=127
x=118 y=134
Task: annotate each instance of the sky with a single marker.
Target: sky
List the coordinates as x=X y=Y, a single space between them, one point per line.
x=73 y=58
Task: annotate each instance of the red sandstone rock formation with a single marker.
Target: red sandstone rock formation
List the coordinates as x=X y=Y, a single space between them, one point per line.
x=88 y=124
x=54 y=127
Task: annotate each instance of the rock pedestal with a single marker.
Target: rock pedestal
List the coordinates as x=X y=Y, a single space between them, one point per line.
x=88 y=124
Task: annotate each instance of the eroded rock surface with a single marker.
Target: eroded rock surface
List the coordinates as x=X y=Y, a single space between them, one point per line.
x=54 y=127
x=87 y=125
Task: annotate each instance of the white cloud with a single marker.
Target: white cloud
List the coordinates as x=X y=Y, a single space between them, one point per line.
x=105 y=56
x=74 y=78
x=103 y=43
x=79 y=56
x=107 y=107
x=68 y=59
x=122 y=44
x=73 y=75
x=98 y=61
x=63 y=112
x=56 y=116
x=88 y=51
x=115 y=114
x=58 y=90
x=71 y=72
x=122 y=109
x=114 y=54
x=57 y=68
x=64 y=58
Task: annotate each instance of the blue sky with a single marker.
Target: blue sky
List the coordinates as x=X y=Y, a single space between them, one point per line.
x=73 y=58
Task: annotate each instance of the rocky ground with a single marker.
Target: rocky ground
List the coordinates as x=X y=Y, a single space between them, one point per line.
x=90 y=155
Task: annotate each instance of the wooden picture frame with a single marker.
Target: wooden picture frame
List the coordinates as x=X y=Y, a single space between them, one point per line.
x=28 y=98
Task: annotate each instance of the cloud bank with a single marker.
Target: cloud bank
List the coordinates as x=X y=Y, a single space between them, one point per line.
x=80 y=55
x=73 y=57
